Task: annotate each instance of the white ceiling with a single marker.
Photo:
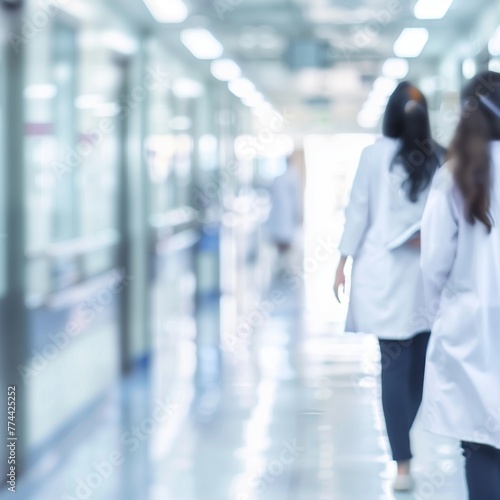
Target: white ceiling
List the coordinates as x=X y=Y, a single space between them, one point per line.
x=360 y=35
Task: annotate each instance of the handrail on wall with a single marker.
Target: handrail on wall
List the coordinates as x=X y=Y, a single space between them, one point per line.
x=77 y=246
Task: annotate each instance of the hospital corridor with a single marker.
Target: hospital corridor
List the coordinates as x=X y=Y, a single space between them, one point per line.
x=249 y=249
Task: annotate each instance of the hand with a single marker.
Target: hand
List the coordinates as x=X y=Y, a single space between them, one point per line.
x=339 y=279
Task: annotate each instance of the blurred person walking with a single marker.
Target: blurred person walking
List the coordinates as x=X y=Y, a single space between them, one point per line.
x=286 y=216
x=461 y=267
x=382 y=236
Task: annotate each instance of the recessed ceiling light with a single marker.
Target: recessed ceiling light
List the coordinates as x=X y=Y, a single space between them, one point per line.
x=225 y=70
x=376 y=100
x=253 y=100
x=261 y=108
x=369 y=117
x=384 y=86
x=411 y=42
x=171 y=11
x=469 y=68
x=494 y=43
x=395 y=68
x=201 y=43
x=494 y=65
x=241 y=87
x=432 y=9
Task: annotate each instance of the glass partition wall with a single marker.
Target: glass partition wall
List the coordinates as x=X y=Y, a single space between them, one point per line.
x=173 y=221
x=74 y=74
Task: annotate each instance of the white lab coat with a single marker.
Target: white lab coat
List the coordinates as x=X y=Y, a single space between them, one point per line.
x=286 y=207
x=461 y=266
x=387 y=296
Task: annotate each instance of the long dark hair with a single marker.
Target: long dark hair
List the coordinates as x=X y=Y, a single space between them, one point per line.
x=407 y=119
x=470 y=155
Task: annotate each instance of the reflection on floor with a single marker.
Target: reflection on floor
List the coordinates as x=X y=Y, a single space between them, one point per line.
x=296 y=416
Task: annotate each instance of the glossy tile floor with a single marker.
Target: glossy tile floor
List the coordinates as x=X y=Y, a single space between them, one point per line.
x=294 y=415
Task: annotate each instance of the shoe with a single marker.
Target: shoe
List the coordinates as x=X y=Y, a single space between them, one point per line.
x=404 y=483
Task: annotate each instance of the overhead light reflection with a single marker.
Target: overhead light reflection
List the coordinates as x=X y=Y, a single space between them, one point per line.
x=385 y=86
x=469 y=68
x=225 y=70
x=374 y=107
x=376 y=100
x=411 y=42
x=395 y=68
x=173 y=11
x=432 y=9
x=368 y=118
x=241 y=87
x=253 y=100
x=263 y=107
x=201 y=43
x=494 y=43
x=494 y=65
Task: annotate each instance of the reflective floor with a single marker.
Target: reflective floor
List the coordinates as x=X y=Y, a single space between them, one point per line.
x=292 y=415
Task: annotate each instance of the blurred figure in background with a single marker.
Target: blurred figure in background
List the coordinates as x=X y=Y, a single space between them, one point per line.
x=382 y=235
x=286 y=213
x=461 y=266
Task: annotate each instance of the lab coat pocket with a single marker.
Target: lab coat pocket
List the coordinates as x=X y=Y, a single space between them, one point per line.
x=459 y=318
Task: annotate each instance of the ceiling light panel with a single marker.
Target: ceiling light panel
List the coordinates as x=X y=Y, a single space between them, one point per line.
x=201 y=43
x=171 y=11
x=225 y=70
x=242 y=87
x=411 y=42
x=395 y=68
x=432 y=9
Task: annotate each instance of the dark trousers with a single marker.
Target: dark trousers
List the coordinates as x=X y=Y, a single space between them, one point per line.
x=482 y=470
x=403 y=367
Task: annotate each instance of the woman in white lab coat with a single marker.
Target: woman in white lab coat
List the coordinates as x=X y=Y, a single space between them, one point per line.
x=461 y=266
x=382 y=236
